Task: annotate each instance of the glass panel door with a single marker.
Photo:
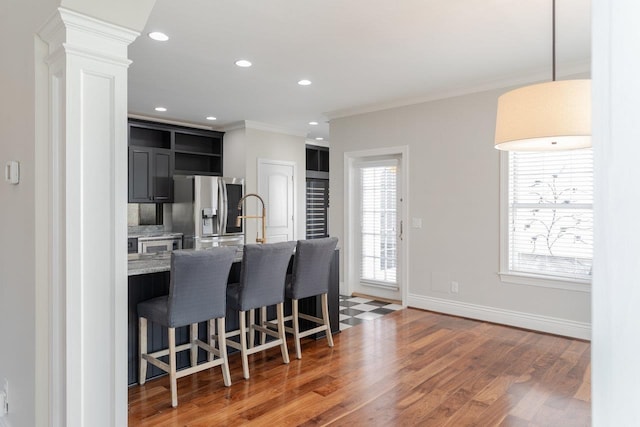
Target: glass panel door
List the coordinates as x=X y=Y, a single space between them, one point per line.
x=379 y=219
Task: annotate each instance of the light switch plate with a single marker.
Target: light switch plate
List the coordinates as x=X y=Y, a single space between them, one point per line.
x=12 y=172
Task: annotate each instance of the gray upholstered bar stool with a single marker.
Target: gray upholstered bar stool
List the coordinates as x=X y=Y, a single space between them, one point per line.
x=197 y=293
x=310 y=277
x=262 y=279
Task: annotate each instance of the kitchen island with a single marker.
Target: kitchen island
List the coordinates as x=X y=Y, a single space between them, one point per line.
x=149 y=276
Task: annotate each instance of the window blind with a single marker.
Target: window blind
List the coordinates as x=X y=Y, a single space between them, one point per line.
x=551 y=213
x=378 y=190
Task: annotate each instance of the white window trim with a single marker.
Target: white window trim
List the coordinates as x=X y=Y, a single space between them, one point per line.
x=350 y=217
x=515 y=277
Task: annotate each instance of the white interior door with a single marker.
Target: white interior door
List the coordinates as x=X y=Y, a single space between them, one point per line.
x=377 y=227
x=275 y=186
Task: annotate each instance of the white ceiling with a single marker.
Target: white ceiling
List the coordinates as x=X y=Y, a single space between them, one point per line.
x=360 y=55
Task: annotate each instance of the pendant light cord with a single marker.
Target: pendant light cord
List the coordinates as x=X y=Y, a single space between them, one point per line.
x=553 y=41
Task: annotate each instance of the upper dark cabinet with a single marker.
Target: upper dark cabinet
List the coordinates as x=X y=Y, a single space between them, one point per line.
x=317 y=162
x=150 y=177
x=157 y=151
x=148 y=135
x=198 y=153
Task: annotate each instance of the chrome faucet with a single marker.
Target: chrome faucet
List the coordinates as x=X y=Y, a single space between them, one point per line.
x=263 y=217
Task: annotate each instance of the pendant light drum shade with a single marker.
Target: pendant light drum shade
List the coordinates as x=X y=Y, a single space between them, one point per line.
x=546 y=116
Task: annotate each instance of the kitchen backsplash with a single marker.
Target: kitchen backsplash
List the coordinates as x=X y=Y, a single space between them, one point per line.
x=139 y=214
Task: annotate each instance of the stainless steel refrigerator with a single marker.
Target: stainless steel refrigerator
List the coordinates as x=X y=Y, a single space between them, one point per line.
x=205 y=209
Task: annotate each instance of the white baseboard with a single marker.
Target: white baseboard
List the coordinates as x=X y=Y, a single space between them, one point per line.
x=552 y=325
x=343 y=291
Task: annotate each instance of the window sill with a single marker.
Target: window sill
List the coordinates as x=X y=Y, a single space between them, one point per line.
x=545 y=281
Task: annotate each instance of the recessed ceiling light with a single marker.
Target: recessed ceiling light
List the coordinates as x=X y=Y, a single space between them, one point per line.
x=243 y=63
x=158 y=36
x=161 y=109
x=313 y=123
x=319 y=138
x=304 y=82
x=211 y=118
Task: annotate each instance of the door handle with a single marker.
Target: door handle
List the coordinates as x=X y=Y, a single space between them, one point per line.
x=401 y=231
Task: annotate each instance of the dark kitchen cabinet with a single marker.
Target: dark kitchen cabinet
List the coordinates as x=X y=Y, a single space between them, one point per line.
x=198 y=152
x=317 y=162
x=317 y=192
x=157 y=151
x=150 y=175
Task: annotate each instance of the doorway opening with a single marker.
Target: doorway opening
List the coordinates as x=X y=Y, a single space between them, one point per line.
x=375 y=218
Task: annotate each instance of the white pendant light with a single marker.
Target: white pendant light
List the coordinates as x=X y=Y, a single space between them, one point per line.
x=546 y=116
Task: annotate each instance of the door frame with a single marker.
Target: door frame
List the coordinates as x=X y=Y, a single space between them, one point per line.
x=262 y=162
x=351 y=216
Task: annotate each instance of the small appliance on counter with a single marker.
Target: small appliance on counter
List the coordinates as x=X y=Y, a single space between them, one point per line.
x=205 y=209
x=162 y=243
x=151 y=239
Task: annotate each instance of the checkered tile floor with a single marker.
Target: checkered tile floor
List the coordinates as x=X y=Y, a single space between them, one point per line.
x=356 y=310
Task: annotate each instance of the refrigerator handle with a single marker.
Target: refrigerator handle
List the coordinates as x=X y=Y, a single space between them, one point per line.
x=224 y=206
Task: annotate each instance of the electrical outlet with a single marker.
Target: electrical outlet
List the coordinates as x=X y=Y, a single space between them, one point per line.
x=454 y=287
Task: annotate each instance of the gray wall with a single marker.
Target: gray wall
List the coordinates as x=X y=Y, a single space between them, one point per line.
x=20 y=301
x=454 y=187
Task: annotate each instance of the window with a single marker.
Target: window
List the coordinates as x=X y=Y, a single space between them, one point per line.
x=549 y=230
x=378 y=213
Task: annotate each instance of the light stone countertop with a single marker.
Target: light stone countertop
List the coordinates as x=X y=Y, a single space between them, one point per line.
x=156 y=262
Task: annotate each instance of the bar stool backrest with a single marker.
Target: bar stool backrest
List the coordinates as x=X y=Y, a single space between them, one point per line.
x=263 y=274
x=197 y=291
x=311 y=267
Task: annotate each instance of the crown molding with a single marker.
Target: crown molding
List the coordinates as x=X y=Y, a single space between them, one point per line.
x=169 y=121
x=70 y=27
x=581 y=70
x=250 y=124
x=318 y=143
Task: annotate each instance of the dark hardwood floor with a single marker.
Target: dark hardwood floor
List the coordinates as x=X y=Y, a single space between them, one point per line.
x=408 y=368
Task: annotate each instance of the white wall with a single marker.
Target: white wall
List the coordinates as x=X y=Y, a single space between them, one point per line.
x=233 y=154
x=242 y=149
x=19 y=21
x=454 y=188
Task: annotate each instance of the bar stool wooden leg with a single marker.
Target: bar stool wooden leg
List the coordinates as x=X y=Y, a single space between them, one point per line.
x=296 y=327
x=263 y=322
x=193 y=336
x=211 y=331
x=222 y=345
x=142 y=341
x=325 y=317
x=243 y=345
x=281 y=332
x=172 y=367
x=252 y=331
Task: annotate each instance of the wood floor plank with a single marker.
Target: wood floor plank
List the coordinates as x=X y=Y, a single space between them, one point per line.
x=410 y=367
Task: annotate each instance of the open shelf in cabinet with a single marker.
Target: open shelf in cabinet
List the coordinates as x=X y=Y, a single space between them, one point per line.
x=187 y=163
x=141 y=135
x=198 y=143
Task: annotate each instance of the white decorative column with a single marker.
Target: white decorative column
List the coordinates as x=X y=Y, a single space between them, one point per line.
x=616 y=270
x=88 y=226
